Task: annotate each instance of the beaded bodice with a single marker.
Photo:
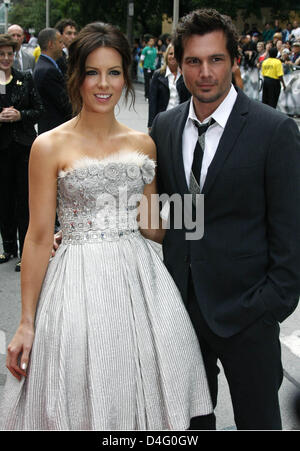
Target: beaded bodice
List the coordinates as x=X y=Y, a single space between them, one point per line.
x=98 y=199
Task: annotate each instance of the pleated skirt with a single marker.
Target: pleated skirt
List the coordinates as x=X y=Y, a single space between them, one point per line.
x=114 y=347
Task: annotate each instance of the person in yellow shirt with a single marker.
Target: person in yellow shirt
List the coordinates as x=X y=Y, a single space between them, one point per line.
x=272 y=71
x=37 y=52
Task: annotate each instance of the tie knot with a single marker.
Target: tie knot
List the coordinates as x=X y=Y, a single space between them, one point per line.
x=202 y=128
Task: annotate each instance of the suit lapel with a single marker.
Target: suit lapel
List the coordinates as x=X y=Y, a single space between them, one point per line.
x=233 y=128
x=176 y=146
x=164 y=81
x=49 y=63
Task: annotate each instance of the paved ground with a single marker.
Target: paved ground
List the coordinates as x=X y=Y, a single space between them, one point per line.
x=290 y=329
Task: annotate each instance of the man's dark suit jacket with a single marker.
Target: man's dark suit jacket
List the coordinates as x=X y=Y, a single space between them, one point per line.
x=159 y=94
x=62 y=63
x=52 y=89
x=248 y=261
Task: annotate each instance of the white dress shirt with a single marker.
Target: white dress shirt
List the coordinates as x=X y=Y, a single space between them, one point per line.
x=212 y=139
x=212 y=136
x=174 y=97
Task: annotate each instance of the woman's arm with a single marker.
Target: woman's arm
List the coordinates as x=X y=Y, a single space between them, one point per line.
x=37 y=248
x=151 y=224
x=282 y=82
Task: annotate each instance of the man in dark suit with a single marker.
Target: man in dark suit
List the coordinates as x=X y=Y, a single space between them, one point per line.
x=50 y=81
x=242 y=278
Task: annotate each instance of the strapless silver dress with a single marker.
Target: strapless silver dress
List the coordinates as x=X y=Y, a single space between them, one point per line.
x=114 y=347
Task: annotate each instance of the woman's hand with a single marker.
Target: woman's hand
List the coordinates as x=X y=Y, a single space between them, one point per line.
x=56 y=242
x=18 y=351
x=10 y=114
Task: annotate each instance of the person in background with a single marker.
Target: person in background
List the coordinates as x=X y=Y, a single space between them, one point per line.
x=148 y=61
x=263 y=52
x=268 y=32
x=36 y=52
x=136 y=53
x=296 y=53
x=279 y=47
x=260 y=47
x=23 y=60
x=286 y=33
x=272 y=72
x=249 y=51
x=50 y=81
x=68 y=30
x=20 y=109
x=33 y=42
x=277 y=37
x=286 y=61
x=161 y=48
x=254 y=41
x=167 y=88
x=277 y=27
x=295 y=34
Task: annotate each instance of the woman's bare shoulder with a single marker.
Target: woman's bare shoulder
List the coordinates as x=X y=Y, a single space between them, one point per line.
x=53 y=143
x=143 y=143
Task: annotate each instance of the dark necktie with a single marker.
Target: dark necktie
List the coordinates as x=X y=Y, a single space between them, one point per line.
x=199 y=151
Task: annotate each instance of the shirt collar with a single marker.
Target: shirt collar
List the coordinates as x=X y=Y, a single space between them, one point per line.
x=222 y=113
x=168 y=72
x=51 y=59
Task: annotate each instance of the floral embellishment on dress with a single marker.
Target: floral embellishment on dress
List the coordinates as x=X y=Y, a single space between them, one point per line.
x=94 y=170
x=148 y=171
x=98 y=199
x=112 y=187
x=112 y=171
x=19 y=83
x=82 y=173
x=133 y=171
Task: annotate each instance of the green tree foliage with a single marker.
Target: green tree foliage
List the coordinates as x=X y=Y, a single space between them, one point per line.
x=147 y=13
x=28 y=14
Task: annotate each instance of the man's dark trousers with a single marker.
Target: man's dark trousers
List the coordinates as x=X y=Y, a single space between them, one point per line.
x=252 y=385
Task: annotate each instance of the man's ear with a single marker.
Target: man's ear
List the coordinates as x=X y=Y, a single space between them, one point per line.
x=235 y=65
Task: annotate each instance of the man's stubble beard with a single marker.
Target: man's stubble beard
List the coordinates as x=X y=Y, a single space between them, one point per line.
x=213 y=98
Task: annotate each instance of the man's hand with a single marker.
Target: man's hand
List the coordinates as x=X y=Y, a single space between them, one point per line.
x=56 y=242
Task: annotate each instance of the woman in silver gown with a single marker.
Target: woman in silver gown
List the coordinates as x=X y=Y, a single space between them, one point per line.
x=104 y=341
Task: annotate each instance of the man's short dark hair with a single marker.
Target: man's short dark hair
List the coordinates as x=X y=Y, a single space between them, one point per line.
x=148 y=37
x=273 y=52
x=201 y=22
x=45 y=36
x=63 y=23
